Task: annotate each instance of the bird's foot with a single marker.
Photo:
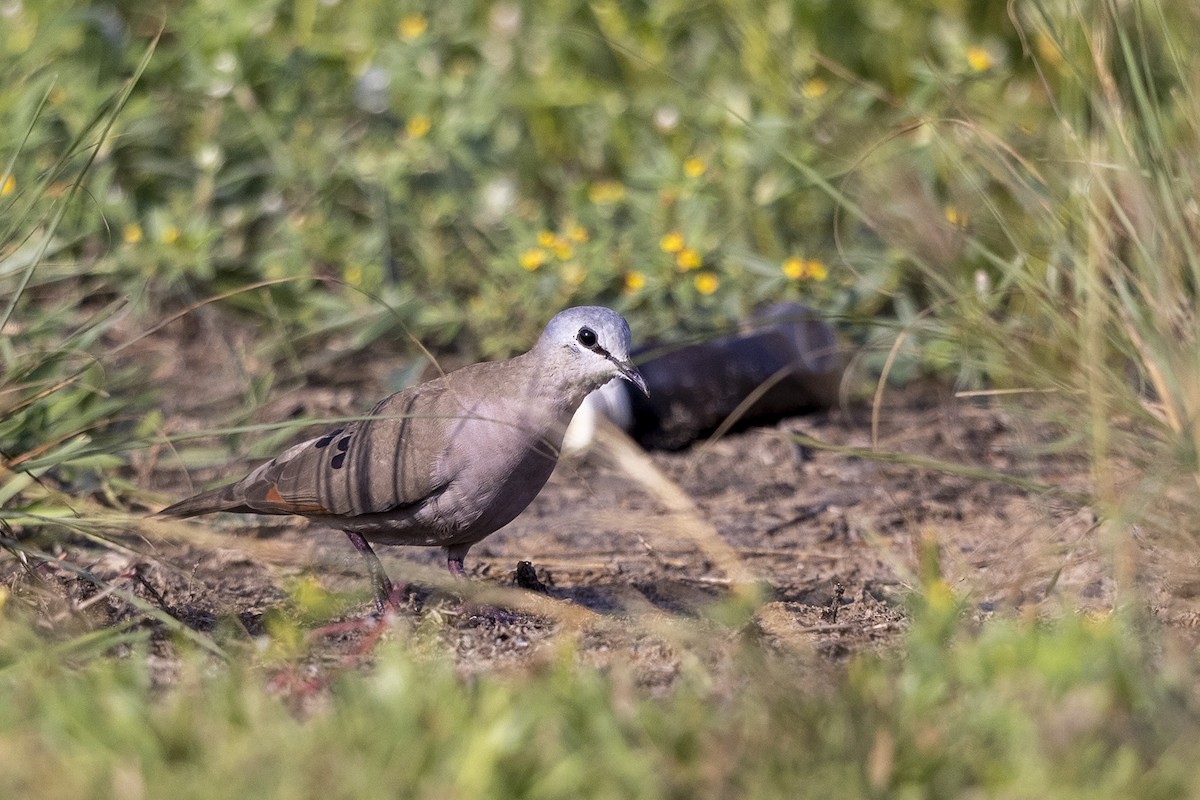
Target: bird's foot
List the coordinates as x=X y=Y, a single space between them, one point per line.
x=475 y=613
x=391 y=599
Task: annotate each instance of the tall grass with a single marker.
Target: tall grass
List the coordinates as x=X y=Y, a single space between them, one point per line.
x=52 y=394
x=1083 y=247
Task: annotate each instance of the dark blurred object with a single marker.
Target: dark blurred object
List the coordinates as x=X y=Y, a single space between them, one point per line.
x=526 y=578
x=784 y=364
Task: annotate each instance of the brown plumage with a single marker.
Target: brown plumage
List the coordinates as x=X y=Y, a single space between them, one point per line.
x=444 y=463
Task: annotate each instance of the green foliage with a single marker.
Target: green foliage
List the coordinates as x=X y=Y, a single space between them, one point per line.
x=1069 y=709
x=415 y=152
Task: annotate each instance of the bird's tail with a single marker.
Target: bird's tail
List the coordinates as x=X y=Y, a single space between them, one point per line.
x=219 y=499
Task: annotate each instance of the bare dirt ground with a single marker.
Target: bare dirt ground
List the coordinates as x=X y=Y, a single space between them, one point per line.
x=832 y=538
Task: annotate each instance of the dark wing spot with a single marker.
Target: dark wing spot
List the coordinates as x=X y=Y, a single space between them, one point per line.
x=327 y=438
x=338 y=461
x=343 y=443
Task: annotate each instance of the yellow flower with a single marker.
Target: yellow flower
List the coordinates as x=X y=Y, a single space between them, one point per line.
x=417 y=126
x=169 y=234
x=955 y=217
x=687 y=259
x=796 y=268
x=354 y=274
x=412 y=26
x=578 y=234
x=814 y=87
x=671 y=243
x=132 y=233
x=706 y=283
x=606 y=192
x=979 y=59
x=694 y=167
x=634 y=282
x=10 y=183
x=533 y=258
x=546 y=238
x=563 y=249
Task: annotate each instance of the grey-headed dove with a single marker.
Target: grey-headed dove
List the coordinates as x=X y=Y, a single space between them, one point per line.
x=444 y=463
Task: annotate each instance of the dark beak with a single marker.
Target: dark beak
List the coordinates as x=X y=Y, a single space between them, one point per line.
x=630 y=373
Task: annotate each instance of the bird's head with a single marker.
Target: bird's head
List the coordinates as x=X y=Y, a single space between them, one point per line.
x=589 y=346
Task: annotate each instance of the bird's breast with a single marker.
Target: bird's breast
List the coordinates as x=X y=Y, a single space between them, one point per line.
x=500 y=461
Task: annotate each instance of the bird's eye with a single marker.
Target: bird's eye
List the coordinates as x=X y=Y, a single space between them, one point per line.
x=586 y=337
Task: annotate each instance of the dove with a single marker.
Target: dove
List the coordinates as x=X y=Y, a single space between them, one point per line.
x=444 y=463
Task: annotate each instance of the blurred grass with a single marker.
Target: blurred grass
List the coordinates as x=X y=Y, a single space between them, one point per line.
x=1073 y=709
x=1005 y=195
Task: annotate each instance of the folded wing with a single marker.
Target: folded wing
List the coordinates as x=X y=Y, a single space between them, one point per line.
x=373 y=466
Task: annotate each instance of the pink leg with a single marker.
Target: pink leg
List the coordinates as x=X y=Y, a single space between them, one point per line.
x=385 y=593
x=455 y=555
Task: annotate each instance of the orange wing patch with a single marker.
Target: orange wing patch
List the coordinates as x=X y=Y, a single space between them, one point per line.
x=275 y=498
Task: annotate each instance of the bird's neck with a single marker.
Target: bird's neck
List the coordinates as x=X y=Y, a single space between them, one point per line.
x=560 y=386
